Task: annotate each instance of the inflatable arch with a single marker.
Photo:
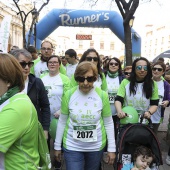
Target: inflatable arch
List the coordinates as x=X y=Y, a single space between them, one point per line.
x=85 y=18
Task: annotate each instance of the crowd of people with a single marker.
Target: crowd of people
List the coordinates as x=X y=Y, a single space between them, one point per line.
x=86 y=95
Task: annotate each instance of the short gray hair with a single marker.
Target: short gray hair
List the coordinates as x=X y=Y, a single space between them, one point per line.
x=16 y=53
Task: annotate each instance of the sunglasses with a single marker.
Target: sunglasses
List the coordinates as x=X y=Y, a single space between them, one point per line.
x=82 y=79
x=159 y=69
x=91 y=58
x=113 y=64
x=24 y=64
x=139 y=68
x=127 y=73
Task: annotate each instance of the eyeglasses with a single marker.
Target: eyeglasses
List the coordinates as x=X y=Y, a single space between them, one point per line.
x=46 y=49
x=82 y=79
x=139 y=68
x=113 y=64
x=91 y=58
x=127 y=73
x=159 y=69
x=52 y=62
x=24 y=64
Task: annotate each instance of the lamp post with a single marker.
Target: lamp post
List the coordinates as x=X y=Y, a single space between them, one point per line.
x=35 y=15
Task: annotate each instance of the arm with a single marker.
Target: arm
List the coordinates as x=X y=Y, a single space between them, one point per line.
x=59 y=135
x=44 y=105
x=108 y=124
x=118 y=105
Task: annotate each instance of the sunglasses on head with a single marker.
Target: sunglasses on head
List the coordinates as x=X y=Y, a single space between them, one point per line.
x=127 y=73
x=24 y=64
x=82 y=79
x=90 y=58
x=113 y=64
x=159 y=69
x=139 y=68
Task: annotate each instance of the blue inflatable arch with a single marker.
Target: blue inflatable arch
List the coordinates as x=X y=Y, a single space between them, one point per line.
x=85 y=18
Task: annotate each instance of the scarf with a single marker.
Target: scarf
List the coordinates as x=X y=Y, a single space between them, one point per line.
x=112 y=75
x=11 y=92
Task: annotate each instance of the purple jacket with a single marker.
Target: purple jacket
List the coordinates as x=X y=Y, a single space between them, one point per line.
x=166 y=96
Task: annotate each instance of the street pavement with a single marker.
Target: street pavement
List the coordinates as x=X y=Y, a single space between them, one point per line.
x=163 y=145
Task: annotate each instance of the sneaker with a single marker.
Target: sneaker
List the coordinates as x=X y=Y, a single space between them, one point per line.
x=168 y=160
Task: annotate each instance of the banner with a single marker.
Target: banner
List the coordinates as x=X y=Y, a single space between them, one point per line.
x=4 y=33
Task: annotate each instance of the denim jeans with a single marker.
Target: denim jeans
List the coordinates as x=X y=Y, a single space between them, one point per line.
x=76 y=160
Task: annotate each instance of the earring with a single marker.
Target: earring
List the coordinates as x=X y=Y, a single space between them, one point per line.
x=8 y=85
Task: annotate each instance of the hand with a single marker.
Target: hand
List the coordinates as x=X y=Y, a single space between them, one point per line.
x=111 y=158
x=134 y=168
x=46 y=134
x=57 y=155
x=147 y=115
x=165 y=103
x=121 y=114
x=57 y=114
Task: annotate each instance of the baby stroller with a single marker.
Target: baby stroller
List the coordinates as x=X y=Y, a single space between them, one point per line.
x=131 y=136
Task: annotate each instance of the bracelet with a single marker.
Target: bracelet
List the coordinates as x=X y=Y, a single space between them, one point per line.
x=149 y=112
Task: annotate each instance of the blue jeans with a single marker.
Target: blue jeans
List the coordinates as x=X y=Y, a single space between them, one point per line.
x=76 y=160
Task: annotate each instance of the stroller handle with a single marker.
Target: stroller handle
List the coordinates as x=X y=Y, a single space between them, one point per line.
x=149 y=120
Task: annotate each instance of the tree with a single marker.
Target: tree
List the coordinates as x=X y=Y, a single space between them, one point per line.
x=127 y=10
x=24 y=16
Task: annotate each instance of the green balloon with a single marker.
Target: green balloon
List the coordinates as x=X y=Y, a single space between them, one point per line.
x=53 y=128
x=132 y=115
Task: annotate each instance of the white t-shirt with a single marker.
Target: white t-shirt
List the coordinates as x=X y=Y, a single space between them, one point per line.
x=26 y=86
x=156 y=117
x=55 y=87
x=85 y=130
x=70 y=69
x=113 y=86
x=40 y=68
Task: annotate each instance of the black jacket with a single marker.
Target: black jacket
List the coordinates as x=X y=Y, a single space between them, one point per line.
x=38 y=95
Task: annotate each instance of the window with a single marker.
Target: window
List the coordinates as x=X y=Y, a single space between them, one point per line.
x=80 y=44
x=91 y=44
x=101 y=45
x=112 y=46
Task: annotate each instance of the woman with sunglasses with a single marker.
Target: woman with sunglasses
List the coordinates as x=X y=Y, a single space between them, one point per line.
x=92 y=55
x=85 y=123
x=34 y=88
x=18 y=119
x=114 y=77
x=139 y=91
x=127 y=71
x=158 y=69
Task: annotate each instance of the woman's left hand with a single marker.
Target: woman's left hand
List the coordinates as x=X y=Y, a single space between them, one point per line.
x=111 y=158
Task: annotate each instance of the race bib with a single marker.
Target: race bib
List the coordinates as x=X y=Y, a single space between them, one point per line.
x=85 y=133
x=112 y=97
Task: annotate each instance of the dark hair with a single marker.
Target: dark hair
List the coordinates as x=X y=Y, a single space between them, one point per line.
x=142 y=150
x=71 y=53
x=118 y=61
x=54 y=56
x=32 y=49
x=47 y=42
x=11 y=71
x=83 y=58
x=161 y=64
x=148 y=82
x=160 y=59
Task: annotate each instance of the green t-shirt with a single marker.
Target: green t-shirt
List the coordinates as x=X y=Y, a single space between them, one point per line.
x=19 y=133
x=138 y=101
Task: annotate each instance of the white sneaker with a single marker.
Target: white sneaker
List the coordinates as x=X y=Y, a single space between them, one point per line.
x=168 y=160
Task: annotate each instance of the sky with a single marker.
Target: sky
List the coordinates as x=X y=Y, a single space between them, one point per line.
x=153 y=12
